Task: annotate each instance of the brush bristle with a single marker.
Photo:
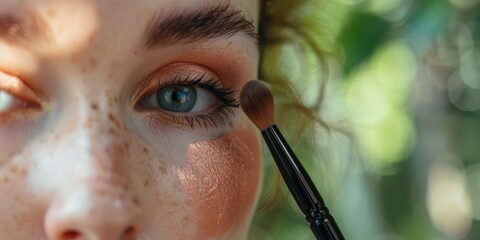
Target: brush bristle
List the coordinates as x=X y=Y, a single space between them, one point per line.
x=256 y=100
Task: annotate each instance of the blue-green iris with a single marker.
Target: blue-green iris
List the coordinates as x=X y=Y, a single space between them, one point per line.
x=177 y=98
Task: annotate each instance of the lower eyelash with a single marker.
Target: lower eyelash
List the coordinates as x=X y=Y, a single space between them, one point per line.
x=219 y=117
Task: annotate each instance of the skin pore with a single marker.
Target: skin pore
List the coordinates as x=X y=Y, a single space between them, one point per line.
x=91 y=147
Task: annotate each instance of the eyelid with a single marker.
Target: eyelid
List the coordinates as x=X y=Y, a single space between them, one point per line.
x=18 y=88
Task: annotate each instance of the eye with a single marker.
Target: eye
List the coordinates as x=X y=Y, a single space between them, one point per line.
x=10 y=103
x=181 y=99
x=189 y=99
x=15 y=95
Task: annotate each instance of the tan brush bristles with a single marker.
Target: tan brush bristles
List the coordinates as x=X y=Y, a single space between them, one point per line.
x=256 y=100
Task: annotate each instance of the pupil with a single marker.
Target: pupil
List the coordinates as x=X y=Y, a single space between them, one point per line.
x=180 y=95
x=177 y=98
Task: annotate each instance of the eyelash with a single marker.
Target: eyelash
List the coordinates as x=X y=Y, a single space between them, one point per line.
x=219 y=116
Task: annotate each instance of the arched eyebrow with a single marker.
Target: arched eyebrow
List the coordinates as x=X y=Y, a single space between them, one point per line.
x=197 y=25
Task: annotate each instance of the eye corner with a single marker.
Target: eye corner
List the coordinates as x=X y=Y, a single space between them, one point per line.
x=17 y=95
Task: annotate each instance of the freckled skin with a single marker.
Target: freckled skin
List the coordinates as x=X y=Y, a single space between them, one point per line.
x=88 y=163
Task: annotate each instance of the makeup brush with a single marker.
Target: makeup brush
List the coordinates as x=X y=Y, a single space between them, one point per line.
x=256 y=100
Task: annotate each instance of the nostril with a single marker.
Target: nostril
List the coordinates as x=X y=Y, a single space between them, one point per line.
x=75 y=235
x=129 y=232
x=88 y=215
x=71 y=235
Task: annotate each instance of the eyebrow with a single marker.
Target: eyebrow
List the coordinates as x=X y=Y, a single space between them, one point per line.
x=200 y=24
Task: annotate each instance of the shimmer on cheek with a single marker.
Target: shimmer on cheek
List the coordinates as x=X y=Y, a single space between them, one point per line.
x=221 y=178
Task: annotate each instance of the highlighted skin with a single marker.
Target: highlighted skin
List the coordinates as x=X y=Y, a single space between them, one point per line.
x=85 y=151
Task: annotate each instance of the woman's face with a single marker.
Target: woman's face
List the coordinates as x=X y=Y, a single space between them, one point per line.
x=119 y=119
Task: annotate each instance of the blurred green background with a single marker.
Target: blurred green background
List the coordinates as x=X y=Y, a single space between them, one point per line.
x=404 y=160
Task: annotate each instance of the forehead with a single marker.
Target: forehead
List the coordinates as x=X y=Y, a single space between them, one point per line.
x=71 y=23
x=132 y=11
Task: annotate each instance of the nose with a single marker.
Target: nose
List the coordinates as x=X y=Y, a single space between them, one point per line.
x=92 y=212
x=93 y=195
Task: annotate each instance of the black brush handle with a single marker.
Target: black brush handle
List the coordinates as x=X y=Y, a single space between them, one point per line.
x=305 y=193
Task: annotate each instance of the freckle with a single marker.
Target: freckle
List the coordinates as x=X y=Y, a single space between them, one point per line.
x=126 y=145
x=92 y=37
x=147 y=182
x=136 y=201
x=6 y=180
x=18 y=198
x=113 y=119
x=74 y=57
x=145 y=150
x=93 y=63
x=13 y=169
x=163 y=170
x=94 y=106
x=101 y=191
x=135 y=53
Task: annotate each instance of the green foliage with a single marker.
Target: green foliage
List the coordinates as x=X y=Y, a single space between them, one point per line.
x=410 y=96
x=361 y=36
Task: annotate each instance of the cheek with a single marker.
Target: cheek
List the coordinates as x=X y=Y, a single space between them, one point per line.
x=18 y=212
x=221 y=178
x=13 y=138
